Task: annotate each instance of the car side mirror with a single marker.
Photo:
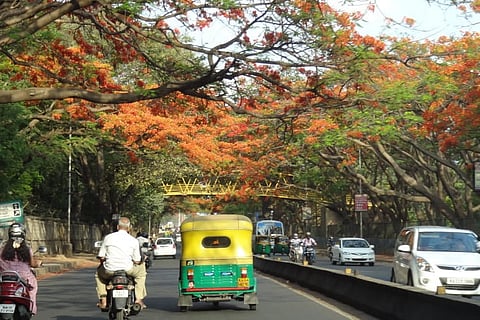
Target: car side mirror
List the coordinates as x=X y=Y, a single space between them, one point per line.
x=372 y=246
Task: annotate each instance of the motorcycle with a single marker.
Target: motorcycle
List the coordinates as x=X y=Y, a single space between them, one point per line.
x=309 y=254
x=121 y=297
x=330 y=244
x=15 y=300
x=296 y=253
x=146 y=250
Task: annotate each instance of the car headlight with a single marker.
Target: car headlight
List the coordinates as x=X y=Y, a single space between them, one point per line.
x=346 y=253
x=423 y=265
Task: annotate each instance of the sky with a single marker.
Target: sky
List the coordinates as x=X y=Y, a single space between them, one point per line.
x=388 y=17
x=431 y=21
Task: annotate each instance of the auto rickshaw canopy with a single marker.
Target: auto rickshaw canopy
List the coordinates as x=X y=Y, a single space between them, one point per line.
x=217 y=237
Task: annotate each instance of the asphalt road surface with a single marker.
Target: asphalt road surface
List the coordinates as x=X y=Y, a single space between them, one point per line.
x=72 y=296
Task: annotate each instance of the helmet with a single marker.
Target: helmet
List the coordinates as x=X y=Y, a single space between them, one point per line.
x=308 y=234
x=16 y=230
x=295 y=235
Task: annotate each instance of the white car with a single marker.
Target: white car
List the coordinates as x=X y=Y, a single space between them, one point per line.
x=164 y=247
x=353 y=250
x=433 y=257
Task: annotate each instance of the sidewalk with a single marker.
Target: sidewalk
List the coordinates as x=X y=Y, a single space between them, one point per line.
x=57 y=264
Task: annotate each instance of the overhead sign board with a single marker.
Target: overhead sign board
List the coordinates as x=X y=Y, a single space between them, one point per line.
x=11 y=212
x=476 y=176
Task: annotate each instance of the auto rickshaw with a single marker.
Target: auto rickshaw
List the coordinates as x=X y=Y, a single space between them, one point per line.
x=281 y=245
x=262 y=245
x=216 y=263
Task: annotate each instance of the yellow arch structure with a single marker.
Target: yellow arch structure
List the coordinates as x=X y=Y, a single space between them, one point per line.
x=279 y=189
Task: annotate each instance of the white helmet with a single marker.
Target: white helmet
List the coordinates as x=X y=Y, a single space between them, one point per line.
x=295 y=236
x=308 y=234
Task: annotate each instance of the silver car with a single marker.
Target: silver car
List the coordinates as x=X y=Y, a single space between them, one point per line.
x=353 y=250
x=164 y=247
x=437 y=258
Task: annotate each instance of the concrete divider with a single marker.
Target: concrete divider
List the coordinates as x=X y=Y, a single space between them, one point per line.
x=379 y=298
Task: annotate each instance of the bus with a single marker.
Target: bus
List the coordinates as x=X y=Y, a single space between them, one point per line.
x=268 y=233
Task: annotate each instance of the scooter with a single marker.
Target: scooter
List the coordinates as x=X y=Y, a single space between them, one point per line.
x=309 y=254
x=121 y=297
x=296 y=253
x=15 y=300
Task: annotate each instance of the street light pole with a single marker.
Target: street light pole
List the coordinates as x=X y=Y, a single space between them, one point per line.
x=360 y=191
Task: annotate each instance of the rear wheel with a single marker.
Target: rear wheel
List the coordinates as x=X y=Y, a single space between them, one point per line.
x=120 y=315
x=21 y=313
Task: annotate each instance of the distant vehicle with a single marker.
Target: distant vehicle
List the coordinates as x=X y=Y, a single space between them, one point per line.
x=429 y=257
x=164 y=247
x=353 y=250
x=178 y=238
x=265 y=236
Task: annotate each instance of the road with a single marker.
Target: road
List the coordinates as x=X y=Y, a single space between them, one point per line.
x=381 y=270
x=72 y=296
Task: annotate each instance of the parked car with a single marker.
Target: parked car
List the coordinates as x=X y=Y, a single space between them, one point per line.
x=353 y=250
x=164 y=247
x=433 y=257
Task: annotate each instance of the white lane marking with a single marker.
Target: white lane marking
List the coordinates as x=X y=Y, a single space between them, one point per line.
x=317 y=300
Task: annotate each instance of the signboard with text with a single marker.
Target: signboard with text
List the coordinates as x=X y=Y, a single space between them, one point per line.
x=11 y=212
x=476 y=176
x=361 y=202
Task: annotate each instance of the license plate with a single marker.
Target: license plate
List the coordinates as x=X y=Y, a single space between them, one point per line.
x=7 y=308
x=120 y=293
x=460 y=281
x=243 y=282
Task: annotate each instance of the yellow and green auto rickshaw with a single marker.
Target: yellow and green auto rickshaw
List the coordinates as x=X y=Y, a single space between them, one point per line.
x=217 y=262
x=281 y=245
x=262 y=245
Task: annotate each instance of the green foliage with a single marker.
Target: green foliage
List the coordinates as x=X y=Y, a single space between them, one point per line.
x=19 y=165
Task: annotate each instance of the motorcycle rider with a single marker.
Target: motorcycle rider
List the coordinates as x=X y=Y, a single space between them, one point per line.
x=120 y=251
x=330 y=244
x=294 y=243
x=16 y=255
x=145 y=246
x=308 y=241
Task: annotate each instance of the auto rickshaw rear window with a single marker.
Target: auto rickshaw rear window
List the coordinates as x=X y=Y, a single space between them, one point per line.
x=216 y=242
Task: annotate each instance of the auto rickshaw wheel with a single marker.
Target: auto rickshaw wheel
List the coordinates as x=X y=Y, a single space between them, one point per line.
x=253 y=306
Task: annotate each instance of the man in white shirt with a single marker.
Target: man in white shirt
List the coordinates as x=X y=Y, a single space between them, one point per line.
x=308 y=241
x=120 y=251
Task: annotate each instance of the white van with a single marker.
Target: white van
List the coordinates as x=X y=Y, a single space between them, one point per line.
x=433 y=257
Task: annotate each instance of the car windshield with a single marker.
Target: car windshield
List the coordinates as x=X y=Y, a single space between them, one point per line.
x=355 y=244
x=447 y=241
